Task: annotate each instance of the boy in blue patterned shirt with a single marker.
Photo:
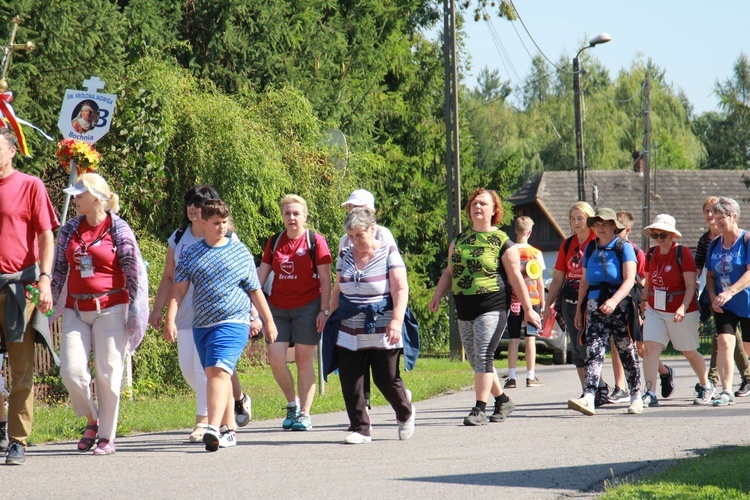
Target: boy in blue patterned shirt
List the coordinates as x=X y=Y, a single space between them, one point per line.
x=224 y=280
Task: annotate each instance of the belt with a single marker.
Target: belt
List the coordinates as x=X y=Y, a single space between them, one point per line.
x=91 y=296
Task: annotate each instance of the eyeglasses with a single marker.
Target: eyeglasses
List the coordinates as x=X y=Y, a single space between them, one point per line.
x=659 y=236
x=721 y=218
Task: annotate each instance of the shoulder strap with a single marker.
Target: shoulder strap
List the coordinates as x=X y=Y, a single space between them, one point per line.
x=275 y=240
x=311 y=247
x=678 y=256
x=229 y=234
x=650 y=254
x=590 y=249
x=180 y=233
x=568 y=243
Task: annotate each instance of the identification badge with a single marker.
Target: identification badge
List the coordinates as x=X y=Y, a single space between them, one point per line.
x=87 y=266
x=660 y=300
x=726 y=284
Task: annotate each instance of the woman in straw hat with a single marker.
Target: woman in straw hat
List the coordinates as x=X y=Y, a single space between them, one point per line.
x=671 y=308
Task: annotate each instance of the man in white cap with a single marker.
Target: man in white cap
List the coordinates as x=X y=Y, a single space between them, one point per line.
x=364 y=198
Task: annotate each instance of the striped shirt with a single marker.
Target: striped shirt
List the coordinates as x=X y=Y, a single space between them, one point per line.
x=366 y=286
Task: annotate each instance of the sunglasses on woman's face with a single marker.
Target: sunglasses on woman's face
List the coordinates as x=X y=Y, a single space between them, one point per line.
x=659 y=236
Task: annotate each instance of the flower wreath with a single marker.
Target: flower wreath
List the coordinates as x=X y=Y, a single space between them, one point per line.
x=86 y=157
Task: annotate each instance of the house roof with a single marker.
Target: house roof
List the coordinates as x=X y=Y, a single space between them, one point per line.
x=680 y=193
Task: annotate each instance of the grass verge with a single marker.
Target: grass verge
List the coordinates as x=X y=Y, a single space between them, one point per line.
x=721 y=473
x=57 y=422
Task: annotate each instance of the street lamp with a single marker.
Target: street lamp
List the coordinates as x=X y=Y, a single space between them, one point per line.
x=578 y=97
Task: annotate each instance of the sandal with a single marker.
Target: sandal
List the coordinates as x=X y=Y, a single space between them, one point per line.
x=104 y=447
x=197 y=435
x=89 y=438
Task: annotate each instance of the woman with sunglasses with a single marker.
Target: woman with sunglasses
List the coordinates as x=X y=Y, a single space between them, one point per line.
x=482 y=260
x=609 y=266
x=728 y=278
x=671 y=308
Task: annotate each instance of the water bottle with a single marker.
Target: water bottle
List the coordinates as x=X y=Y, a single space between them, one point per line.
x=34 y=296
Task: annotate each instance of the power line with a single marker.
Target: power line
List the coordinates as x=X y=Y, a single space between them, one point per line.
x=518 y=15
x=502 y=51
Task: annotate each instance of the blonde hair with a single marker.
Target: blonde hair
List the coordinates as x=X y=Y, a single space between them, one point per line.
x=97 y=186
x=583 y=207
x=710 y=202
x=524 y=224
x=626 y=218
x=293 y=198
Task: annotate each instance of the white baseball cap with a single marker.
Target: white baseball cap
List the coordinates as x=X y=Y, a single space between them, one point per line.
x=360 y=198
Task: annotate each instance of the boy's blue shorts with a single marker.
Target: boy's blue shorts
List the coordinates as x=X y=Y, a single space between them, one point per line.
x=221 y=345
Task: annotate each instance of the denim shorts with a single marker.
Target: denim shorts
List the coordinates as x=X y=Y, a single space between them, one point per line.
x=221 y=345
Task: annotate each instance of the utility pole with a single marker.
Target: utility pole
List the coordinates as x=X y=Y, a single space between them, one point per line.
x=646 y=155
x=452 y=158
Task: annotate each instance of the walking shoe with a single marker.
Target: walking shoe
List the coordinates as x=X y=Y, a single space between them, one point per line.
x=197 y=435
x=510 y=384
x=104 y=447
x=502 y=410
x=618 y=396
x=302 y=422
x=227 y=438
x=601 y=397
x=742 y=392
x=3 y=436
x=243 y=410
x=357 y=438
x=211 y=438
x=667 y=382
x=583 y=404
x=406 y=429
x=649 y=400
x=291 y=416
x=16 y=455
x=476 y=417
x=724 y=399
x=636 y=407
x=702 y=395
x=533 y=382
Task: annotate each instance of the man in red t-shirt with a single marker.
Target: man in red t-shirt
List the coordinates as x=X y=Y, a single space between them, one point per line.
x=27 y=219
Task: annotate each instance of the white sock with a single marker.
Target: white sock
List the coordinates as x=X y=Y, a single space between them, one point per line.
x=511 y=373
x=530 y=374
x=293 y=403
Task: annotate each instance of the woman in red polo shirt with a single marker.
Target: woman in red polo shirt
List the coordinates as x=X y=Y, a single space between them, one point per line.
x=106 y=306
x=299 y=301
x=671 y=308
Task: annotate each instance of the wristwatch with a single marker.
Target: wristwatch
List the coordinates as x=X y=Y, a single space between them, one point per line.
x=253 y=318
x=326 y=312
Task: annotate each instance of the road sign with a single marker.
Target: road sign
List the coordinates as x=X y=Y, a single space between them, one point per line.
x=86 y=115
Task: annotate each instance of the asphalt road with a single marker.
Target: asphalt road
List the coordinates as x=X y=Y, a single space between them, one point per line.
x=544 y=450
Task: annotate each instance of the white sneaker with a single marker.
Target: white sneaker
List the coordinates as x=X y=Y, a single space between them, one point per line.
x=408 y=395
x=211 y=438
x=636 y=407
x=583 y=404
x=227 y=438
x=357 y=438
x=406 y=429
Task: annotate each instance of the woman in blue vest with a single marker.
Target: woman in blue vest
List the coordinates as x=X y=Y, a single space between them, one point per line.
x=727 y=280
x=609 y=268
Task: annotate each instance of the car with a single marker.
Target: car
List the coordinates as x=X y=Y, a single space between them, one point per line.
x=556 y=343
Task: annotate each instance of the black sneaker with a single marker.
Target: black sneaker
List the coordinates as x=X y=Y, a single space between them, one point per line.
x=16 y=455
x=510 y=384
x=502 y=410
x=601 y=396
x=744 y=389
x=243 y=410
x=476 y=417
x=667 y=382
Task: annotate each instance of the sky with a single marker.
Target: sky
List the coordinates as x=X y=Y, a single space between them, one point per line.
x=696 y=43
